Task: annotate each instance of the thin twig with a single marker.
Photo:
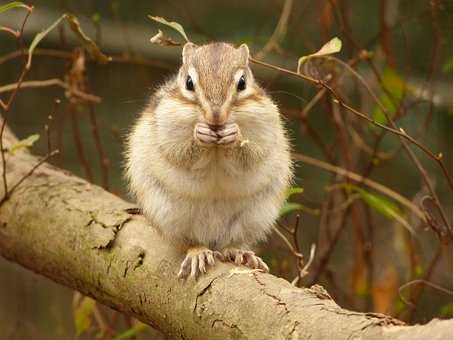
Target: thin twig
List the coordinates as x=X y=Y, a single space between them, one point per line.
x=28 y=174
x=6 y=106
x=411 y=154
x=78 y=142
x=304 y=270
x=358 y=178
x=421 y=281
x=103 y=159
x=62 y=54
x=52 y=82
x=279 y=32
x=8 y=30
x=287 y=242
x=325 y=256
x=399 y=132
x=417 y=293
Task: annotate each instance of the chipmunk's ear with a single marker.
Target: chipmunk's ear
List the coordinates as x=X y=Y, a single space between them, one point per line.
x=187 y=51
x=244 y=53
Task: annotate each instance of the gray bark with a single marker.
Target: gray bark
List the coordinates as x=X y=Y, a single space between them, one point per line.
x=79 y=235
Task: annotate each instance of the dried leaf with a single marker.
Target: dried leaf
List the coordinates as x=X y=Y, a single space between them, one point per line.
x=176 y=26
x=87 y=43
x=240 y=271
x=161 y=39
x=24 y=143
x=12 y=5
x=331 y=47
x=41 y=36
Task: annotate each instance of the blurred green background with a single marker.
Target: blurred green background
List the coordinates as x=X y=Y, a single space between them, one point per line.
x=411 y=42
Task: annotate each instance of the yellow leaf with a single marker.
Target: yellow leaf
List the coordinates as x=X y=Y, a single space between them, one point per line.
x=331 y=47
x=24 y=143
x=82 y=315
x=12 y=5
x=41 y=36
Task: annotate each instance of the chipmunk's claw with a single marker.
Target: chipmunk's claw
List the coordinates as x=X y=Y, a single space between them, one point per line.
x=204 y=135
x=246 y=258
x=229 y=134
x=196 y=262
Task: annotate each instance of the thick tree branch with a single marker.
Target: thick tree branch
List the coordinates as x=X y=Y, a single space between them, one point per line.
x=79 y=235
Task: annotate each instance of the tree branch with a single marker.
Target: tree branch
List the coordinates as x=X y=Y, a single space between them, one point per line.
x=81 y=236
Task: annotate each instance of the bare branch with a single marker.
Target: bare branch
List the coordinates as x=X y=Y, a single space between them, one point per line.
x=338 y=100
x=52 y=82
x=360 y=179
x=107 y=254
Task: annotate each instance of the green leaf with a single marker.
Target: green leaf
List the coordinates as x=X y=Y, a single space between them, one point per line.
x=96 y=18
x=378 y=115
x=331 y=47
x=294 y=190
x=399 y=306
x=82 y=315
x=87 y=43
x=446 y=311
x=395 y=85
x=382 y=205
x=41 y=36
x=131 y=332
x=289 y=207
x=176 y=26
x=24 y=143
x=12 y=5
x=448 y=66
x=74 y=24
x=393 y=82
x=418 y=271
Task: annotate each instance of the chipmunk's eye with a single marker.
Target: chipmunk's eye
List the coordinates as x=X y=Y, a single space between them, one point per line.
x=241 y=84
x=189 y=84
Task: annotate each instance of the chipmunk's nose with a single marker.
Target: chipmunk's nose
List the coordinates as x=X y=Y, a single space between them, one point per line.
x=215 y=127
x=216 y=120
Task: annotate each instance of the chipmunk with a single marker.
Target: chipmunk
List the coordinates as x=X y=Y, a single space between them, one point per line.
x=208 y=160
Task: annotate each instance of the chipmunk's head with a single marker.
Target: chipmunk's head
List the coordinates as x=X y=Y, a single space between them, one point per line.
x=216 y=77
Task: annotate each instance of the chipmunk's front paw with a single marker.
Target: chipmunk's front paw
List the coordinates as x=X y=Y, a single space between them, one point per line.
x=204 y=135
x=229 y=135
x=196 y=261
x=245 y=257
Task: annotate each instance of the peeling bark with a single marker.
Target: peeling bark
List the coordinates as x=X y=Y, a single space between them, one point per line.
x=81 y=236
